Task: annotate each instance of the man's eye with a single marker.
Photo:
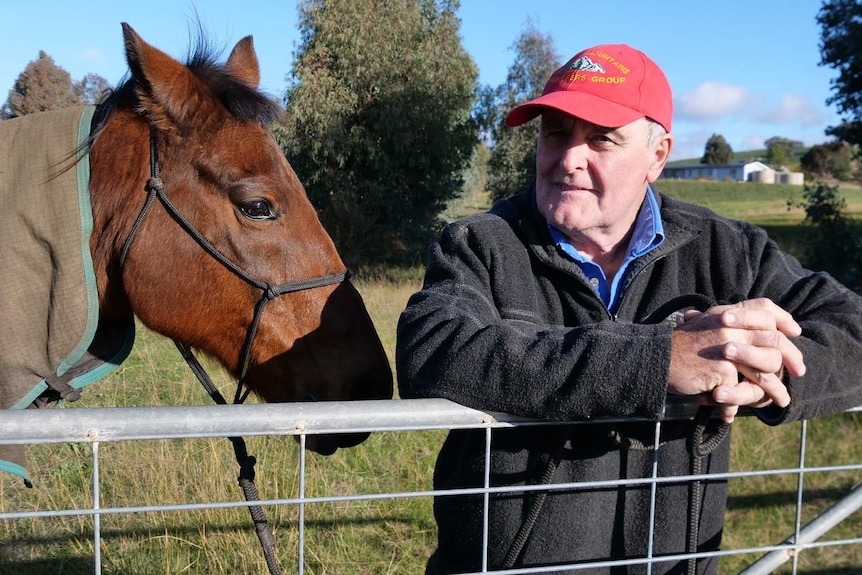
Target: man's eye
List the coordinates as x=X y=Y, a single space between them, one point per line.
x=555 y=133
x=257 y=210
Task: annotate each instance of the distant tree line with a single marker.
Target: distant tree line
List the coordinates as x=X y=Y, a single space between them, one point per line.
x=835 y=160
x=387 y=125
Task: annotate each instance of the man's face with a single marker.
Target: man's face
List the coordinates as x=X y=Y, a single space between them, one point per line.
x=590 y=180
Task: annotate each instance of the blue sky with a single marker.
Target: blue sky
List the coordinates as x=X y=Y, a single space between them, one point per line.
x=748 y=70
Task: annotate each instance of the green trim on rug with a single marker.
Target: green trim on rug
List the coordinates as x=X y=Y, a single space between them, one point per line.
x=86 y=220
x=16 y=469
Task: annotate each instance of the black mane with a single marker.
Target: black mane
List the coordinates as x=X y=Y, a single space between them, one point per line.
x=245 y=103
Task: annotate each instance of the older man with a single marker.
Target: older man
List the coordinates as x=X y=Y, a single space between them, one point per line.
x=572 y=300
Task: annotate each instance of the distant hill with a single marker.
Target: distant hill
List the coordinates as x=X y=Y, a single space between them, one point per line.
x=749 y=156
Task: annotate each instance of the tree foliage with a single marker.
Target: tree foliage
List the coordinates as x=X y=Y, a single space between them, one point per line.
x=717 y=151
x=840 y=40
x=91 y=89
x=43 y=86
x=781 y=151
x=830 y=237
x=829 y=160
x=512 y=165
x=378 y=123
x=40 y=87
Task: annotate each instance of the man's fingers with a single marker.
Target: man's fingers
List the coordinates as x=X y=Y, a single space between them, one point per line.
x=755 y=389
x=760 y=314
x=765 y=351
x=752 y=338
x=728 y=412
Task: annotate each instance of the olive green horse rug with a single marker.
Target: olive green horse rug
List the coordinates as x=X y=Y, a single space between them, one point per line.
x=50 y=344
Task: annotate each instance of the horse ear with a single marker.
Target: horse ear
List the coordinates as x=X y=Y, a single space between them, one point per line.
x=242 y=63
x=162 y=84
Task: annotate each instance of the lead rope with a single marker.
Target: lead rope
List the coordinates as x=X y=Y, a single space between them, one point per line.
x=155 y=188
x=246 y=462
x=537 y=501
x=700 y=446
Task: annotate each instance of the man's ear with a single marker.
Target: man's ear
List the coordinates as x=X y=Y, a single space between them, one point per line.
x=660 y=154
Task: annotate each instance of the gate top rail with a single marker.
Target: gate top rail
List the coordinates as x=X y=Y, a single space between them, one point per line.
x=91 y=424
x=94 y=424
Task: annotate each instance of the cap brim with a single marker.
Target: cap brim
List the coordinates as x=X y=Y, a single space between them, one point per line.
x=589 y=107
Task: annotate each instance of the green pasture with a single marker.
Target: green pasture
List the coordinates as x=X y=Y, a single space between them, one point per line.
x=763 y=204
x=377 y=537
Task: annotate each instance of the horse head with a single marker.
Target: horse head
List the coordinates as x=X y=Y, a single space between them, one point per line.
x=268 y=298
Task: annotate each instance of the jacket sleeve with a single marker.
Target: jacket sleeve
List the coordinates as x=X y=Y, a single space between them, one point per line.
x=831 y=342
x=462 y=337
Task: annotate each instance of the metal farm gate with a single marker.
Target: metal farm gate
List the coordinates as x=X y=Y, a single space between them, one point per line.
x=95 y=426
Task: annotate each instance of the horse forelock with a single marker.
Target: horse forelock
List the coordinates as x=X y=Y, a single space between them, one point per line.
x=244 y=102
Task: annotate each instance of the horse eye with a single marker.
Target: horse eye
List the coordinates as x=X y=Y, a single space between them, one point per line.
x=258 y=210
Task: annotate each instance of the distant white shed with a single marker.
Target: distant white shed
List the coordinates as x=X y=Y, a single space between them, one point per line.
x=740 y=172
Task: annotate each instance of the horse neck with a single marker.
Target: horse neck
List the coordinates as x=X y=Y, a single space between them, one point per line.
x=119 y=168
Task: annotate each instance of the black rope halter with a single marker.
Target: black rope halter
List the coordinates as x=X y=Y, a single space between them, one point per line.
x=155 y=188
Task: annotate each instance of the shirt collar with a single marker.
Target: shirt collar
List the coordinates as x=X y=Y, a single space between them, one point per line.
x=648 y=230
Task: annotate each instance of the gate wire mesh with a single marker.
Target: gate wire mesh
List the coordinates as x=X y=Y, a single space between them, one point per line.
x=99 y=425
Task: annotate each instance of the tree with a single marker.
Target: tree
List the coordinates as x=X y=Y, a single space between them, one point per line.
x=717 y=151
x=378 y=123
x=91 y=89
x=829 y=236
x=41 y=86
x=832 y=159
x=44 y=86
x=840 y=38
x=781 y=151
x=512 y=165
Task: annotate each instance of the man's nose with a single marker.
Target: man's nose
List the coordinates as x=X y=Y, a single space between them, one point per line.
x=574 y=156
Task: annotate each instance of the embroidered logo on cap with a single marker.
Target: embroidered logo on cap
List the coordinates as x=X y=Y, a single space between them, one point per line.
x=586 y=65
x=586 y=69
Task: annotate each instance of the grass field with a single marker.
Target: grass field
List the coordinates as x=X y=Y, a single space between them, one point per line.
x=381 y=537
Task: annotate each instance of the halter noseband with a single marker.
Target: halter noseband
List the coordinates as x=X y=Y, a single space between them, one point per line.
x=156 y=189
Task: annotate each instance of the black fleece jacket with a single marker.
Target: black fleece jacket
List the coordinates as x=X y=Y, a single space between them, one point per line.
x=505 y=322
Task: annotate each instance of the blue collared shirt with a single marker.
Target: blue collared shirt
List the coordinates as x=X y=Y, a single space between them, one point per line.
x=648 y=234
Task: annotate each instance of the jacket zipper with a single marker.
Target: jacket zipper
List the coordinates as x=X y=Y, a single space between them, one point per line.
x=629 y=282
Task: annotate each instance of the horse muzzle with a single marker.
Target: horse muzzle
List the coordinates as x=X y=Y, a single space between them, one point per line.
x=327 y=444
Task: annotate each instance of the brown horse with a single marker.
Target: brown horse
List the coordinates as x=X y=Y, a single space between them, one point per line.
x=227 y=177
x=202 y=230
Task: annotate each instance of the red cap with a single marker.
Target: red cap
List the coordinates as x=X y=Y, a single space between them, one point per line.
x=609 y=85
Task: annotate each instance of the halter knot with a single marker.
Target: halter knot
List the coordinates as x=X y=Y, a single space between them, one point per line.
x=155 y=184
x=271 y=292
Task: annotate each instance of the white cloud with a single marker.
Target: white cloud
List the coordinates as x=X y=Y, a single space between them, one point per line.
x=711 y=101
x=792 y=110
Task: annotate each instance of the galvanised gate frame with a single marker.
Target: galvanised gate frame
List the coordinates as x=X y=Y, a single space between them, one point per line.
x=98 y=425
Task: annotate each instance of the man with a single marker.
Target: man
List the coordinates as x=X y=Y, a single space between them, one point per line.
x=592 y=295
